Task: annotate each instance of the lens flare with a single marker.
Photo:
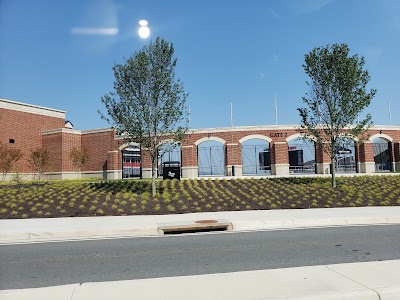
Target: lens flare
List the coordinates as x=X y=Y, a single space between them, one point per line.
x=144 y=32
x=143 y=23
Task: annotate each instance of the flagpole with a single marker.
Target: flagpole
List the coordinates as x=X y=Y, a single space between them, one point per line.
x=390 y=114
x=276 y=111
x=231 y=115
x=189 y=113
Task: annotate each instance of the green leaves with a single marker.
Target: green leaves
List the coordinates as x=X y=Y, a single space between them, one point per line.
x=337 y=95
x=148 y=102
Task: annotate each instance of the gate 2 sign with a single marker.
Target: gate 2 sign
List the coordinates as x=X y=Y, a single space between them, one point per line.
x=278 y=134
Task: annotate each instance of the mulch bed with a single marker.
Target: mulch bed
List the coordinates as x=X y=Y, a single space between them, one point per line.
x=133 y=197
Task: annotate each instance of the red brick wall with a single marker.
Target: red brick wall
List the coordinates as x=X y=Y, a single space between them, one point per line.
x=281 y=154
x=366 y=152
x=146 y=159
x=53 y=143
x=235 y=136
x=113 y=160
x=189 y=156
x=25 y=128
x=97 y=145
x=396 y=148
x=321 y=156
x=233 y=154
x=69 y=141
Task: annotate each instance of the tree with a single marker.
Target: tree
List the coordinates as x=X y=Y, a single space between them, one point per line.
x=337 y=95
x=38 y=160
x=8 y=156
x=79 y=158
x=148 y=103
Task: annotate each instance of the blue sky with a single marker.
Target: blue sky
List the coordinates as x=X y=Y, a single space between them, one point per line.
x=244 y=51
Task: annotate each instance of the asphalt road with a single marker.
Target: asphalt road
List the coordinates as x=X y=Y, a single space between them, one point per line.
x=48 y=264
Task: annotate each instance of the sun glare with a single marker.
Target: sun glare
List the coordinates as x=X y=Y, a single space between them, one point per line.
x=143 y=23
x=144 y=31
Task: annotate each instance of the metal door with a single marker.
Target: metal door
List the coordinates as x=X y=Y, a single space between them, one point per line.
x=382 y=157
x=211 y=160
x=256 y=160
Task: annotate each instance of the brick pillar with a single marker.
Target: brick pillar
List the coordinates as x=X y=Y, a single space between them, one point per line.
x=322 y=160
x=112 y=160
x=119 y=163
x=53 y=143
x=396 y=154
x=189 y=161
x=391 y=146
x=279 y=158
x=233 y=154
x=111 y=170
x=366 y=155
x=146 y=164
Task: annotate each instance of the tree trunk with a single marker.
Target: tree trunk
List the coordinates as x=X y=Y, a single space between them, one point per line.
x=333 y=172
x=153 y=177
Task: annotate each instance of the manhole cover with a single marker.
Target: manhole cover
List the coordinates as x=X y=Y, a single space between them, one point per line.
x=206 y=221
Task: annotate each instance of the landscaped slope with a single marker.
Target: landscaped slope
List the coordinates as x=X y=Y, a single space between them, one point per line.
x=133 y=197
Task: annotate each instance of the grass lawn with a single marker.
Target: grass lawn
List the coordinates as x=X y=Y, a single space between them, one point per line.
x=133 y=197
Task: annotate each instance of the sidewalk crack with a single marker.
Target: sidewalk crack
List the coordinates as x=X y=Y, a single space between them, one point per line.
x=354 y=281
x=73 y=292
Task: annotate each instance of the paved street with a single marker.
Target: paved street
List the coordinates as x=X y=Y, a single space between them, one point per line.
x=48 y=264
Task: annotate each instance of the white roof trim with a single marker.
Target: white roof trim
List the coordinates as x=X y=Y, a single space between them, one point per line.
x=243 y=128
x=61 y=130
x=74 y=131
x=98 y=130
x=273 y=127
x=33 y=109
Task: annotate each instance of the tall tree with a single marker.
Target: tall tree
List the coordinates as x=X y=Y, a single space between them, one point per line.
x=8 y=157
x=337 y=95
x=147 y=104
x=38 y=160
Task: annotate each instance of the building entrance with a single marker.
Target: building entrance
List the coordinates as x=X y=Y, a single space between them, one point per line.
x=131 y=162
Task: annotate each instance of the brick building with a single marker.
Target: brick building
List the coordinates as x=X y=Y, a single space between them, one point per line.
x=271 y=148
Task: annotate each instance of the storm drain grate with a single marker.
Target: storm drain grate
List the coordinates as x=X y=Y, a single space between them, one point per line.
x=195 y=227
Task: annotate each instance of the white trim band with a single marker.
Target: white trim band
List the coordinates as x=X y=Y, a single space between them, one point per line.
x=33 y=109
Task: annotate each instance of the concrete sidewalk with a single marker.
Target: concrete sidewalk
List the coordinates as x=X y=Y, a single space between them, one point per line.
x=361 y=281
x=97 y=227
x=370 y=280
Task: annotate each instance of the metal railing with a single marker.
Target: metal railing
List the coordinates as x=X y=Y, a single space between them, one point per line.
x=352 y=168
x=256 y=170
x=302 y=169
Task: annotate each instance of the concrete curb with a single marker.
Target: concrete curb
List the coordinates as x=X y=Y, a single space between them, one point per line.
x=361 y=281
x=17 y=230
